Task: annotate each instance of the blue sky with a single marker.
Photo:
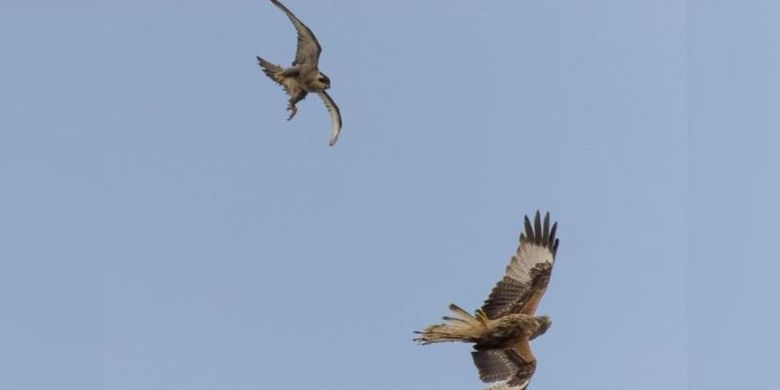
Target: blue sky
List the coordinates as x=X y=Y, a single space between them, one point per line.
x=163 y=227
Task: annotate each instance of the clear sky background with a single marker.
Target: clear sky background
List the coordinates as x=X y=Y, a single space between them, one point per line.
x=163 y=227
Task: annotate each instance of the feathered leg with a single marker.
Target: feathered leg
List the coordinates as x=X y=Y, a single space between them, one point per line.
x=285 y=78
x=295 y=98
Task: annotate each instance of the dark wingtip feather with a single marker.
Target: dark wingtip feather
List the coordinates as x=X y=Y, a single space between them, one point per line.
x=538 y=228
x=540 y=232
x=529 y=230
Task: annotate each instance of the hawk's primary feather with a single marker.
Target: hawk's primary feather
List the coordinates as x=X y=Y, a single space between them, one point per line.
x=528 y=272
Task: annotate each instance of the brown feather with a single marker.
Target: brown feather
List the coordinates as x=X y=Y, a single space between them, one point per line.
x=524 y=362
x=515 y=365
x=493 y=366
x=526 y=278
x=535 y=296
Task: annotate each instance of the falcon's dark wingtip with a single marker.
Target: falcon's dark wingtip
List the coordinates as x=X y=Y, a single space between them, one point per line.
x=540 y=233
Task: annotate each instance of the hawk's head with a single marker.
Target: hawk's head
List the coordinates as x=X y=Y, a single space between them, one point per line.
x=544 y=324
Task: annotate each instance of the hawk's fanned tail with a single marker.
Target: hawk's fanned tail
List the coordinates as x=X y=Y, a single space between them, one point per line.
x=463 y=327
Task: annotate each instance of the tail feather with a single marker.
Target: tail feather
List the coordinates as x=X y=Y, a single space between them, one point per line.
x=271 y=70
x=460 y=312
x=463 y=327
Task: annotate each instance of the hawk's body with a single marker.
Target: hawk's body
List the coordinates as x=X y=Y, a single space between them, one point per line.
x=504 y=326
x=304 y=75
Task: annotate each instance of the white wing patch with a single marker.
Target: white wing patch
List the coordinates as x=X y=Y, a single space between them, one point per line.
x=528 y=257
x=335 y=117
x=504 y=386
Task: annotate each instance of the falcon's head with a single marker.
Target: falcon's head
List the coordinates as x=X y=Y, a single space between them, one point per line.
x=322 y=82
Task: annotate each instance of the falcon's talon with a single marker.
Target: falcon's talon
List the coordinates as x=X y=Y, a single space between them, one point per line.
x=293 y=110
x=304 y=75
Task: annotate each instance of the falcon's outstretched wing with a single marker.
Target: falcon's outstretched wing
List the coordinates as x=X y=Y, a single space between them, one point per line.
x=335 y=116
x=309 y=49
x=511 y=368
x=528 y=272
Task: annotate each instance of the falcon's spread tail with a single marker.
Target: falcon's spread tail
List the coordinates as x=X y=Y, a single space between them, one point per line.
x=271 y=70
x=463 y=327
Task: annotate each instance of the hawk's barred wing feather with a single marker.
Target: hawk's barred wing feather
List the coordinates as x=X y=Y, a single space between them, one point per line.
x=308 y=51
x=528 y=272
x=493 y=365
x=512 y=367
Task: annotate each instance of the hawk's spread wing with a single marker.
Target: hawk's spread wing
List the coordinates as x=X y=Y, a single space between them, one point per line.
x=335 y=116
x=528 y=272
x=309 y=49
x=512 y=368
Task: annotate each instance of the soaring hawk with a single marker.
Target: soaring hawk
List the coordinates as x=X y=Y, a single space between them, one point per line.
x=502 y=329
x=304 y=76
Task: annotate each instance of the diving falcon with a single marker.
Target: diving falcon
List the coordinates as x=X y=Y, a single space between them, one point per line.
x=304 y=75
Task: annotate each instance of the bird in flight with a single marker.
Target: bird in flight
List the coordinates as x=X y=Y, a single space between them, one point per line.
x=503 y=328
x=304 y=76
